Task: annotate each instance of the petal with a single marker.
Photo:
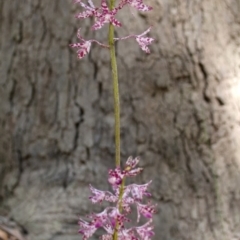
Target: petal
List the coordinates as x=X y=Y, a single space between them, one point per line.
x=115 y=177
x=133 y=172
x=146 y=210
x=126 y=200
x=109 y=229
x=85 y=14
x=88 y=45
x=104 y=7
x=99 y=219
x=146 y=40
x=121 y=4
x=98 y=24
x=145 y=231
x=106 y=237
x=143 y=42
x=127 y=234
x=115 y=22
x=98 y=195
x=111 y=198
x=138 y=191
x=116 y=216
x=146 y=49
x=91 y=3
x=82 y=53
x=126 y=208
x=86 y=229
x=132 y=162
x=84 y=48
x=79 y=35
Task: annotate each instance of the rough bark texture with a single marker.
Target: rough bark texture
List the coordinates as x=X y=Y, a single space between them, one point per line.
x=180 y=114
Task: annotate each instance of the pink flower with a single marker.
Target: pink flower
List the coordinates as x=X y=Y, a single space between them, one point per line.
x=99 y=219
x=138 y=191
x=84 y=46
x=87 y=229
x=145 y=231
x=116 y=176
x=142 y=41
x=146 y=210
x=103 y=14
x=106 y=16
x=99 y=196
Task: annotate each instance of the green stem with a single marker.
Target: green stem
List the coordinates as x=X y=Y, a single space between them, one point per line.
x=115 y=234
x=116 y=109
x=115 y=89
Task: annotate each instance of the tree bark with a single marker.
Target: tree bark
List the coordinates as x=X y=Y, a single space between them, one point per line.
x=180 y=114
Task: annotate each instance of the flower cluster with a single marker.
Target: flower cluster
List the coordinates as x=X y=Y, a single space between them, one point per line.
x=104 y=15
x=113 y=218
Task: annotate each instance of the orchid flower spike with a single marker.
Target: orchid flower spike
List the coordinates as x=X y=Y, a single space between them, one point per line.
x=111 y=218
x=144 y=41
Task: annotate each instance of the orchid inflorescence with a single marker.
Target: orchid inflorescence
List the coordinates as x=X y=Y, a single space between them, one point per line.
x=115 y=217
x=104 y=15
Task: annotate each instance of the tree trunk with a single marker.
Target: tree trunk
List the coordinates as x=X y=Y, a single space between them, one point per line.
x=180 y=114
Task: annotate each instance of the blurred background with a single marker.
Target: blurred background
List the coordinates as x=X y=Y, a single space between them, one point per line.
x=179 y=113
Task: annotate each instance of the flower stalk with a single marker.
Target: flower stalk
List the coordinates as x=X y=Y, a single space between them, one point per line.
x=116 y=109
x=115 y=91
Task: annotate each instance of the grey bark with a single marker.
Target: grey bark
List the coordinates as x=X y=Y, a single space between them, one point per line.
x=180 y=114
